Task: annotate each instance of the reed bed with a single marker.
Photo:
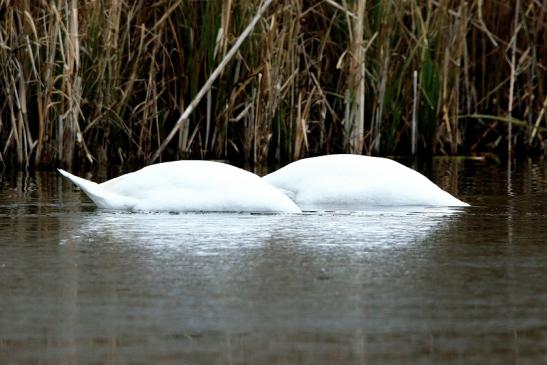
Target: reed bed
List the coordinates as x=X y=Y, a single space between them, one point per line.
x=105 y=81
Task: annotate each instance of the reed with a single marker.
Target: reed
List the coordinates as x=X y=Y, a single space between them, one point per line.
x=107 y=81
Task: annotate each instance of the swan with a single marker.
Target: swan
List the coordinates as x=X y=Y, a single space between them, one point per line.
x=189 y=185
x=355 y=181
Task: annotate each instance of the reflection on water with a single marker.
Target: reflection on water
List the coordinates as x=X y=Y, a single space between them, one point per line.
x=458 y=286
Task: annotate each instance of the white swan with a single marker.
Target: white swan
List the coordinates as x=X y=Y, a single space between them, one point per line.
x=354 y=181
x=200 y=186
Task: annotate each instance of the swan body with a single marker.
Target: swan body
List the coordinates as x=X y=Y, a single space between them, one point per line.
x=354 y=181
x=199 y=186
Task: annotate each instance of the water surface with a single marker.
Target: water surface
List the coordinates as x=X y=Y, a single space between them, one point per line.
x=413 y=285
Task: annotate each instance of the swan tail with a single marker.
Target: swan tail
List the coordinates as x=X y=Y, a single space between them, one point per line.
x=460 y=203
x=102 y=198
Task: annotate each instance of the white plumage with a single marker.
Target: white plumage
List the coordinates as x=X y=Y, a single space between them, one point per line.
x=354 y=182
x=198 y=186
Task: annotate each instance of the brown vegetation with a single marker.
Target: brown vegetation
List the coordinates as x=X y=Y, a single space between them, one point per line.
x=104 y=81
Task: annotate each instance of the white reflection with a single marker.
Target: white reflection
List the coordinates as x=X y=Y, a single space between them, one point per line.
x=209 y=233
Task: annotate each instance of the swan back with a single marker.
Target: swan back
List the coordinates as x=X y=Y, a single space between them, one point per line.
x=189 y=186
x=357 y=181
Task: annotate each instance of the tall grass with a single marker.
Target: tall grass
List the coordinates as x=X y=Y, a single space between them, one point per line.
x=104 y=82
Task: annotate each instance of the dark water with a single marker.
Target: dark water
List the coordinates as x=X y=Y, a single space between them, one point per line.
x=390 y=286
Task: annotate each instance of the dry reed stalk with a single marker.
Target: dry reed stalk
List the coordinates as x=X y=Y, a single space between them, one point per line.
x=414 y=117
x=380 y=101
x=72 y=83
x=266 y=96
x=225 y=20
x=470 y=91
x=449 y=103
x=36 y=76
x=9 y=85
x=286 y=48
x=356 y=81
x=129 y=86
x=256 y=119
x=211 y=79
x=220 y=43
x=513 y=45
x=301 y=138
x=290 y=85
x=538 y=121
x=249 y=127
x=15 y=133
x=28 y=143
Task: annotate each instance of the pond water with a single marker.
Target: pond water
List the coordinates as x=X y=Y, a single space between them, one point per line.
x=389 y=286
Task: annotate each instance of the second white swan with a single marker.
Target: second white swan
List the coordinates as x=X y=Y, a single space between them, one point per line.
x=354 y=181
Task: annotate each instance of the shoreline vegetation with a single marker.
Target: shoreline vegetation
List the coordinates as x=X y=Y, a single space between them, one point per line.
x=104 y=82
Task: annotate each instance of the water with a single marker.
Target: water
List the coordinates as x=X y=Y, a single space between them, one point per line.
x=389 y=286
